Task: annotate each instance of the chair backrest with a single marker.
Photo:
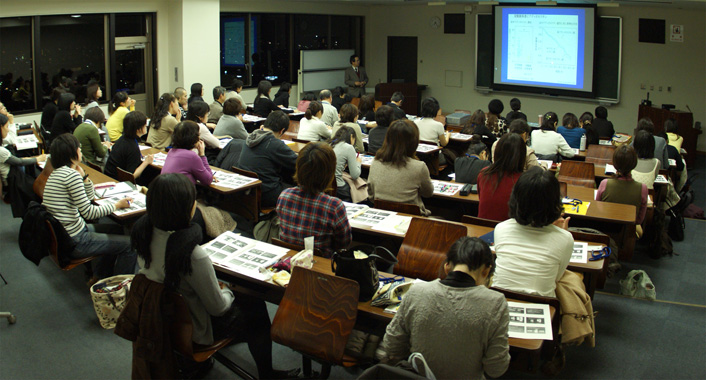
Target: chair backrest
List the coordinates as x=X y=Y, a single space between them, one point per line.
x=563 y=189
x=378 y=104
x=600 y=154
x=406 y=208
x=95 y=166
x=301 y=140
x=244 y=172
x=41 y=182
x=355 y=101
x=294 y=247
x=54 y=251
x=424 y=247
x=124 y=176
x=577 y=173
x=479 y=221
x=317 y=314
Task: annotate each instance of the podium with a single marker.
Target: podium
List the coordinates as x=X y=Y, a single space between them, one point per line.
x=684 y=119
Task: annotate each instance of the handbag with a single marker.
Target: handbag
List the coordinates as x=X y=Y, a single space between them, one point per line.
x=362 y=270
x=638 y=285
x=109 y=296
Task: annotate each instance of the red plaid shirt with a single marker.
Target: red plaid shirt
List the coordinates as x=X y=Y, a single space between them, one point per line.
x=302 y=215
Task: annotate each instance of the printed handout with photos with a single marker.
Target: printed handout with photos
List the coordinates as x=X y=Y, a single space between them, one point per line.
x=138 y=202
x=371 y=217
x=529 y=321
x=243 y=255
x=252 y=118
x=461 y=136
x=446 y=188
x=366 y=159
x=232 y=180
x=580 y=253
x=26 y=142
x=423 y=148
x=354 y=209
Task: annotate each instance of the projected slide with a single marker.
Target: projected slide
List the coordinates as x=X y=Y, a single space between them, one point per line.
x=543 y=48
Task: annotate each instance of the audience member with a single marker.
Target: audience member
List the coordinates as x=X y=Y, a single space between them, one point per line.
x=346 y=157
x=396 y=102
x=282 y=95
x=89 y=138
x=603 y=127
x=181 y=96
x=330 y=113
x=64 y=121
x=571 y=131
x=547 y=143
x=235 y=93
x=340 y=98
x=476 y=125
x=7 y=159
x=430 y=129
x=495 y=182
x=231 y=123
x=304 y=103
x=196 y=93
x=672 y=129
x=216 y=108
x=496 y=123
x=50 y=109
x=311 y=128
x=118 y=107
x=166 y=116
x=523 y=129
x=384 y=116
x=126 y=153
x=515 y=114
x=349 y=118
x=262 y=106
x=472 y=162
x=182 y=158
x=198 y=113
x=660 y=145
x=622 y=188
x=93 y=94
x=647 y=165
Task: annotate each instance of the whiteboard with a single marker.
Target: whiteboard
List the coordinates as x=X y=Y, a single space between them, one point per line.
x=319 y=80
x=325 y=59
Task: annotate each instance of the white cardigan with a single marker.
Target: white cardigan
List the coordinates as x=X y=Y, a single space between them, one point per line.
x=550 y=142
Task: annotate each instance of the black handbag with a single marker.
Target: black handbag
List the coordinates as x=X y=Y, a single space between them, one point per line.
x=363 y=271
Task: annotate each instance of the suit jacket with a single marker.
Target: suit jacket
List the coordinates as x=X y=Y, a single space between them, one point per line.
x=350 y=79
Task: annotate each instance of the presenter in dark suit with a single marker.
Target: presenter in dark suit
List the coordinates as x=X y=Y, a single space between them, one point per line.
x=356 y=78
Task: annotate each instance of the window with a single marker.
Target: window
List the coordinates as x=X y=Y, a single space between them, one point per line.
x=16 y=84
x=266 y=46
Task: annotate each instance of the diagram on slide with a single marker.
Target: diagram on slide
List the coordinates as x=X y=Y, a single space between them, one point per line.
x=543 y=48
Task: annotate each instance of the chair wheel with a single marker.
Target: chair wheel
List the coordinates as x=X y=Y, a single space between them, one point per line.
x=12 y=319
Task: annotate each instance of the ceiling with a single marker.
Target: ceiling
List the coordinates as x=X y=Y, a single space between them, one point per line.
x=684 y=4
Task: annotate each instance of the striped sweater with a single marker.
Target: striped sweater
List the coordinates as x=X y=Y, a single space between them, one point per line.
x=68 y=199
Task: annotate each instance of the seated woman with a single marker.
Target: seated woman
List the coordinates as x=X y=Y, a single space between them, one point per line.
x=198 y=113
x=182 y=158
x=495 y=182
x=64 y=121
x=430 y=129
x=496 y=123
x=304 y=103
x=395 y=174
x=349 y=118
x=166 y=116
x=547 y=143
x=68 y=195
x=366 y=109
x=571 y=130
x=647 y=165
x=263 y=105
x=231 y=123
x=126 y=153
x=93 y=94
x=660 y=144
x=169 y=252
x=515 y=114
x=311 y=128
x=268 y=157
x=534 y=247
x=523 y=129
x=88 y=136
x=586 y=122
x=622 y=188
x=282 y=95
x=340 y=98
x=118 y=107
x=305 y=210
x=465 y=313
x=674 y=154
x=346 y=157
x=7 y=159
x=472 y=162
x=476 y=125
x=376 y=136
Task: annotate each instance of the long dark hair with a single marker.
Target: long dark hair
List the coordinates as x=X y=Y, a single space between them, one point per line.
x=510 y=157
x=161 y=110
x=367 y=104
x=92 y=93
x=263 y=88
x=550 y=121
x=196 y=91
x=400 y=143
x=169 y=204
x=120 y=97
x=314 y=108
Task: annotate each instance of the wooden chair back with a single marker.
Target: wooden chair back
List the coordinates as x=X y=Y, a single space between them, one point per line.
x=181 y=330
x=378 y=104
x=355 y=102
x=405 y=208
x=577 y=173
x=41 y=182
x=125 y=176
x=563 y=189
x=294 y=247
x=244 y=172
x=317 y=314
x=600 y=154
x=301 y=141
x=479 y=221
x=424 y=247
x=40 y=137
x=54 y=251
x=95 y=166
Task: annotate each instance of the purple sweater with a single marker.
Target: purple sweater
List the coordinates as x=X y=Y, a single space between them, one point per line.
x=189 y=163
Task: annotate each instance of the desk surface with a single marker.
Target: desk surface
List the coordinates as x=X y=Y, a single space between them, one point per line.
x=98 y=178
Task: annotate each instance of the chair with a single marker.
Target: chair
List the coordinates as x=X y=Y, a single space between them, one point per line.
x=549 y=348
x=577 y=173
x=600 y=154
x=424 y=248
x=181 y=330
x=405 y=208
x=42 y=142
x=479 y=221
x=316 y=316
x=96 y=166
x=599 y=238
x=294 y=247
x=301 y=141
x=355 y=102
x=54 y=252
x=563 y=189
x=124 y=176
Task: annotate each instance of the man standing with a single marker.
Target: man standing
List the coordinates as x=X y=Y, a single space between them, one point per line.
x=356 y=78
x=330 y=114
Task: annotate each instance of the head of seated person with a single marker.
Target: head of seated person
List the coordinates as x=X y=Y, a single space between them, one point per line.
x=186 y=135
x=345 y=134
x=471 y=256
x=644 y=144
x=277 y=122
x=384 y=116
x=232 y=107
x=349 y=113
x=536 y=198
x=477 y=119
x=134 y=125
x=315 y=109
x=624 y=161
x=65 y=151
x=478 y=148
x=315 y=168
x=400 y=143
x=510 y=155
x=520 y=127
x=430 y=108
x=198 y=111
x=569 y=120
x=496 y=107
x=551 y=119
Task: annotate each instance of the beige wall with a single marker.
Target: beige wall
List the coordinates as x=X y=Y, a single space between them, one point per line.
x=679 y=65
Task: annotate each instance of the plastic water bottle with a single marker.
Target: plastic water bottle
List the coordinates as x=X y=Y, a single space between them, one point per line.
x=582 y=145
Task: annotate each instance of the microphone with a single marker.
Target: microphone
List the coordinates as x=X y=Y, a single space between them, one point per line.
x=687 y=107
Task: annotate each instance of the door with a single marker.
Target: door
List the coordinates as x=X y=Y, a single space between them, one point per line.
x=133 y=57
x=401 y=59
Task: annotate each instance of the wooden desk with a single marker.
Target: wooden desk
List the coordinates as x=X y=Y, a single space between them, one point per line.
x=97 y=178
x=367 y=315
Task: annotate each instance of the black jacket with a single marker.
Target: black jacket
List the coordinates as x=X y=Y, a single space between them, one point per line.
x=271 y=159
x=604 y=128
x=263 y=106
x=397 y=111
x=34 y=236
x=64 y=123
x=125 y=155
x=20 y=190
x=376 y=136
x=230 y=155
x=467 y=169
x=48 y=112
x=281 y=99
